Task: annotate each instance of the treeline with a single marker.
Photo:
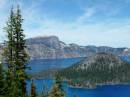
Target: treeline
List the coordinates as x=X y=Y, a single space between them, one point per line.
x=102 y=71
x=13 y=77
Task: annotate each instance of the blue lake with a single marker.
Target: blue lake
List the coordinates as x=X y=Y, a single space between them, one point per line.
x=44 y=64
x=100 y=91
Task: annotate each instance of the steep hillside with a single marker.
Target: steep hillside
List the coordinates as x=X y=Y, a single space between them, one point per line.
x=50 y=47
x=98 y=69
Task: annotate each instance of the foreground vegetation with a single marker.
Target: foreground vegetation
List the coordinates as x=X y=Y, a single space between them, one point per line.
x=13 y=78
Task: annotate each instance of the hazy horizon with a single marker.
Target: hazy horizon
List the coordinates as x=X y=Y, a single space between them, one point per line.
x=84 y=22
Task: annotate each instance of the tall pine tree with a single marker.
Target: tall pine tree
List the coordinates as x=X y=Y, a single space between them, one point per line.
x=57 y=90
x=15 y=52
x=2 y=82
x=21 y=56
x=9 y=56
x=33 y=90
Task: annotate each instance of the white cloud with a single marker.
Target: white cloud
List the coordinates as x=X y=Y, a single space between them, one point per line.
x=104 y=33
x=112 y=32
x=88 y=13
x=3 y=18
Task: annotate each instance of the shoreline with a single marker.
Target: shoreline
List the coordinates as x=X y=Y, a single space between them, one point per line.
x=98 y=85
x=89 y=86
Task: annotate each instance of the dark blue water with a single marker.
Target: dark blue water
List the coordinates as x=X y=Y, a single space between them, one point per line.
x=126 y=58
x=45 y=64
x=100 y=91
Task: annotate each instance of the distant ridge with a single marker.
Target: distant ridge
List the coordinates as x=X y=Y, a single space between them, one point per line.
x=50 y=47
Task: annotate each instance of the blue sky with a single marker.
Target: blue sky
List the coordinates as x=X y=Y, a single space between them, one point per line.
x=85 y=22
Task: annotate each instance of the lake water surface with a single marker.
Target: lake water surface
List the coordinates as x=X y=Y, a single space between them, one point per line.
x=100 y=91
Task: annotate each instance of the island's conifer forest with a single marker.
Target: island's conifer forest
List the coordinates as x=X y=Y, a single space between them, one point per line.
x=13 y=64
x=101 y=69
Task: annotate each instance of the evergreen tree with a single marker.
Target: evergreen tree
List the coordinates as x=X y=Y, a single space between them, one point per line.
x=8 y=52
x=45 y=91
x=2 y=82
x=9 y=57
x=57 y=90
x=33 y=90
x=20 y=57
x=15 y=55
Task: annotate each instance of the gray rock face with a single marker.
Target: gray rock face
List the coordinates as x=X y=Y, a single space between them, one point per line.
x=100 y=60
x=52 y=48
x=52 y=42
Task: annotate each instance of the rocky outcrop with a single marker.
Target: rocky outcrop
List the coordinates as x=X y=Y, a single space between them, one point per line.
x=50 y=47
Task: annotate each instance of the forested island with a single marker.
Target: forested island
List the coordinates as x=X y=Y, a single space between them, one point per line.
x=99 y=69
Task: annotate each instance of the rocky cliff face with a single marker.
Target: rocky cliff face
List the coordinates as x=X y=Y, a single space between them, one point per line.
x=99 y=60
x=52 y=48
